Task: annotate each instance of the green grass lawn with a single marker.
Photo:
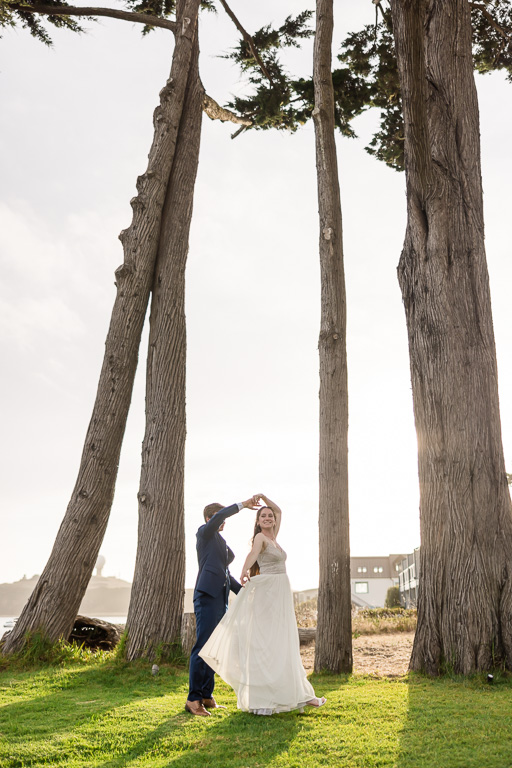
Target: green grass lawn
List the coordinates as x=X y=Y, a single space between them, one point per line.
x=107 y=714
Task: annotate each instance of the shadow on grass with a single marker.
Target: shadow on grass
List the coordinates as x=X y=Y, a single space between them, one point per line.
x=76 y=696
x=115 y=715
x=457 y=723
x=223 y=740
x=227 y=739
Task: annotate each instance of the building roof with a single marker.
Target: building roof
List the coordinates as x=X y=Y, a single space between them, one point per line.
x=375 y=567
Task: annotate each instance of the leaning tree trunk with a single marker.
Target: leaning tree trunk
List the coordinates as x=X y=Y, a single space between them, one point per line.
x=334 y=632
x=53 y=605
x=156 y=605
x=465 y=599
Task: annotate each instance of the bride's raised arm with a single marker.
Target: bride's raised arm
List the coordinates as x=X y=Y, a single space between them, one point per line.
x=275 y=509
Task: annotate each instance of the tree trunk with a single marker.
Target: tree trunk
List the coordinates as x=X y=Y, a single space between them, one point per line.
x=54 y=603
x=334 y=631
x=465 y=600
x=156 y=605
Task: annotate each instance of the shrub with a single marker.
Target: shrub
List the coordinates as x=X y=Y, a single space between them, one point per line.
x=392 y=598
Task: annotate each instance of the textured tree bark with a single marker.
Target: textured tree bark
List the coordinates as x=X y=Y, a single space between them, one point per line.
x=54 y=603
x=216 y=112
x=465 y=597
x=188 y=632
x=156 y=605
x=334 y=627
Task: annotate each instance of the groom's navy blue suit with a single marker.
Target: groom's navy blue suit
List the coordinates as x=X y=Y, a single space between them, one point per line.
x=210 y=597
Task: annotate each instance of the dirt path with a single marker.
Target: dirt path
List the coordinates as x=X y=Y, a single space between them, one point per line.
x=382 y=655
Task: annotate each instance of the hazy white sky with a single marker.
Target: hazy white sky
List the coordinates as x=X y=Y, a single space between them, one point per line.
x=75 y=130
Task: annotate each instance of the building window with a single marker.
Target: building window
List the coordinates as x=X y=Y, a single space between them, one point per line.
x=361 y=569
x=397 y=567
x=361 y=587
x=378 y=569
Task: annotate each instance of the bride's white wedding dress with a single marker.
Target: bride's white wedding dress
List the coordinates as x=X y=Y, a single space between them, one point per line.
x=255 y=647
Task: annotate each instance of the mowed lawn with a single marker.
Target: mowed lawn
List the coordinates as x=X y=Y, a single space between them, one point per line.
x=108 y=714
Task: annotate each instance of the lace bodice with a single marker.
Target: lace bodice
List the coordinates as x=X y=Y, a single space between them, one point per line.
x=272 y=559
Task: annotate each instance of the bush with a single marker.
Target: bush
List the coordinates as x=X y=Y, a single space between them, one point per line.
x=392 y=598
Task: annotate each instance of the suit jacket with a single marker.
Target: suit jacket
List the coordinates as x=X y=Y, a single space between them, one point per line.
x=214 y=557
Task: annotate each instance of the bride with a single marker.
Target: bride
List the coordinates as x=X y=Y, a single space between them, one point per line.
x=255 y=648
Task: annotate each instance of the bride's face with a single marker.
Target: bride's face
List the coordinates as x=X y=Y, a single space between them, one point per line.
x=266 y=519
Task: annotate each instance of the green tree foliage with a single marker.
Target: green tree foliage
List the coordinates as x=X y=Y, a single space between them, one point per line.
x=492 y=36
x=368 y=77
x=392 y=598
x=12 y=14
x=369 y=55
x=160 y=8
x=270 y=103
x=279 y=101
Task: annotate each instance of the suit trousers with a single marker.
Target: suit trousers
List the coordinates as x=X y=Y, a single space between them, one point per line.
x=209 y=611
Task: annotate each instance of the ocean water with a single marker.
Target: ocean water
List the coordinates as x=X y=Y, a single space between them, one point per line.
x=4 y=620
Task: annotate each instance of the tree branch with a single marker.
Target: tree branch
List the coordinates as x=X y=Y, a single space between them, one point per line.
x=378 y=7
x=237 y=133
x=216 y=112
x=69 y=10
x=505 y=33
x=248 y=39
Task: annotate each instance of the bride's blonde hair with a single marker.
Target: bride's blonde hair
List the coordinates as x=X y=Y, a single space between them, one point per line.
x=255 y=569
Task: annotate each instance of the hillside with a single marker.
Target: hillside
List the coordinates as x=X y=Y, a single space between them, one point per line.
x=105 y=596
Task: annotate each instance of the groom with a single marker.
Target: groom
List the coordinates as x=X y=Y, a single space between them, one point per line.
x=211 y=595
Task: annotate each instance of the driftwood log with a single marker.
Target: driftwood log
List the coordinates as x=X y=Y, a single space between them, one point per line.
x=188 y=633
x=95 y=633
x=101 y=635
x=306 y=634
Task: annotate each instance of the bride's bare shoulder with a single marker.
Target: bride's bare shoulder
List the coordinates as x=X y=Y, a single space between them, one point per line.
x=261 y=540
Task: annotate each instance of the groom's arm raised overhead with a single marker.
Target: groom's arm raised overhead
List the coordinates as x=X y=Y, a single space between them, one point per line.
x=216 y=515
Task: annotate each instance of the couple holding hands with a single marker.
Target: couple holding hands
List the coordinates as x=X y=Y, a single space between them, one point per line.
x=254 y=646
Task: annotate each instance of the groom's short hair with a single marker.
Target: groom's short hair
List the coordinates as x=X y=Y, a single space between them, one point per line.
x=211 y=509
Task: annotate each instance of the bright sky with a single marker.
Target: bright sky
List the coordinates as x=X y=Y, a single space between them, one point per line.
x=75 y=130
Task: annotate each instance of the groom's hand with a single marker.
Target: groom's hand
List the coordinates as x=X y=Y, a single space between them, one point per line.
x=251 y=503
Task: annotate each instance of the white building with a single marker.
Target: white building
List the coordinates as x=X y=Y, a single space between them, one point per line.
x=370 y=579
x=409 y=576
